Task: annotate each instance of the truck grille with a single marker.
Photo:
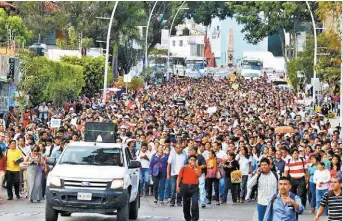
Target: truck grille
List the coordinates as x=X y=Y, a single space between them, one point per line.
x=87 y=185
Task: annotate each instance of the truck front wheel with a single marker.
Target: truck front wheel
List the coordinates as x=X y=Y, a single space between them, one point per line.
x=50 y=213
x=134 y=208
x=123 y=213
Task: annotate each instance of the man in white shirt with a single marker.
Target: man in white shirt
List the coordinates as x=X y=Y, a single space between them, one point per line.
x=43 y=112
x=144 y=156
x=267 y=182
x=177 y=159
x=221 y=159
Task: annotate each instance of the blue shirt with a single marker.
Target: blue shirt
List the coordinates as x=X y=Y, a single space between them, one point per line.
x=3 y=147
x=56 y=154
x=280 y=165
x=311 y=170
x=282 y=211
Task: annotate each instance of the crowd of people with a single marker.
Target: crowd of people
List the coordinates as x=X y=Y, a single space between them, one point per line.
x=246 y=137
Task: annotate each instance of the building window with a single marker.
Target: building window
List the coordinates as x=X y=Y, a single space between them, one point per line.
x=181 y=43
x=173 y=43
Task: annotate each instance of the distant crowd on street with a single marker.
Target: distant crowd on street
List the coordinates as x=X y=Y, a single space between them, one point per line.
x=200 y=141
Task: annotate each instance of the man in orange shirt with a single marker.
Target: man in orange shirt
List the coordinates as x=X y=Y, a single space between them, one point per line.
x=189 y=178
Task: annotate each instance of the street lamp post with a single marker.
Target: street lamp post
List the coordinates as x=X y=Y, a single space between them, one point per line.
x=315 y=53
x=170 y=29
x=146 y=35
x=107 y=50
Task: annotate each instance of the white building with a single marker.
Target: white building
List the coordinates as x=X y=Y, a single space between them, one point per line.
x=181 y=45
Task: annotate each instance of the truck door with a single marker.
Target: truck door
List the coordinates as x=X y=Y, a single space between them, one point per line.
x=134 y=176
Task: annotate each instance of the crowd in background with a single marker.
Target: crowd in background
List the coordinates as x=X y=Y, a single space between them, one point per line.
x=231 y=127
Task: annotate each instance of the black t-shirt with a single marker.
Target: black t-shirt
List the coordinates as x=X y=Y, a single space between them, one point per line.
x=201 y=161
x=235 y=166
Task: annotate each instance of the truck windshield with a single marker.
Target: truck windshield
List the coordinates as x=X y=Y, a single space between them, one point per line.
x=195 y=64
x=252 y=65
x=92 y=155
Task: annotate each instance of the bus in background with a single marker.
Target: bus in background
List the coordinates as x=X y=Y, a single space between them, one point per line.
x=196 y=67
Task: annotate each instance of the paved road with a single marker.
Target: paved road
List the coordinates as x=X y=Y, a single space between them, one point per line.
x=24 y=210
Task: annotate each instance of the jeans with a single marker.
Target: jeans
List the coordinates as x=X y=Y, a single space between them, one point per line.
x=319 y=196
x=190 y=194
x=173 y=180
x=244 y=186
x=202 y=190
x=144 y=180
x=234 y=190
x=159 y=186
x=12 y=180
x=167 y=189
x=222 y=184
x=313 y=194
x=210 y=182
x=261 y=210
x=299 y=188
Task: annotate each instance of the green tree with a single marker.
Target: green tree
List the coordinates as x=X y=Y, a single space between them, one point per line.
x=128 y=56
x=303 y=63
x=262 y=19
x=41 y=19
x=22 y=34
x=204 y=11
x=46 y=80
x=147 y=74
x=93 y=72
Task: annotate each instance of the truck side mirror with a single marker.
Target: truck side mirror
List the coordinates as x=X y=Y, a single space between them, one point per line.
x=51 y=161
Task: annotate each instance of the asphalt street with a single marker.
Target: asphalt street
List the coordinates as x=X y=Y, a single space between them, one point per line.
x=19 y=210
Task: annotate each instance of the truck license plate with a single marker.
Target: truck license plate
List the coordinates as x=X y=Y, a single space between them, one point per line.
x=84 y=196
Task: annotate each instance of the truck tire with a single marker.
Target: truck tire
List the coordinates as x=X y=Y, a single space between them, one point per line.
x=123 y=213
x=50 y=213
x=133 y=207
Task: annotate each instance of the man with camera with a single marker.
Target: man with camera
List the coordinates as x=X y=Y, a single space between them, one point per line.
x=285 y=205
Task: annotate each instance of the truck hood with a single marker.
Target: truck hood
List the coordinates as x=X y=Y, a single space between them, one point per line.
x=101 y=173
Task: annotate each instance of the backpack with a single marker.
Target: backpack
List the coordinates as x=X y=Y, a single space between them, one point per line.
x=291 y=195
x=274 y=173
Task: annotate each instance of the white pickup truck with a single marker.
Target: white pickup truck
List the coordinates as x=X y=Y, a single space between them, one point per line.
x=93 y=177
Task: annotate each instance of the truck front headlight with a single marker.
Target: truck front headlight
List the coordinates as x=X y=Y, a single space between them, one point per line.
x=53 y=181
x=117 y=183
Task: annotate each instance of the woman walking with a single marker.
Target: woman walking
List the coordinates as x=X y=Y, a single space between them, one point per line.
x=211 y=177
x=322 y=178
x=34 y=174
x=158 y=173
x=312 y=186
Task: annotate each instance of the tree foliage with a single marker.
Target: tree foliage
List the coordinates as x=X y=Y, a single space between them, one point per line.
x=22 y=35
x=93 y=72
x=263 y=19
x=135 y=84
x=39 y=19
x=204 y=11
x=46 y=80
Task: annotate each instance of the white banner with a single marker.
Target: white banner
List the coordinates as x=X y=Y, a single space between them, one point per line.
x=164 y=37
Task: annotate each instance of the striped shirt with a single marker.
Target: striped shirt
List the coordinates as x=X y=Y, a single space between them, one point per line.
x=334 y=204
x=296 y=168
